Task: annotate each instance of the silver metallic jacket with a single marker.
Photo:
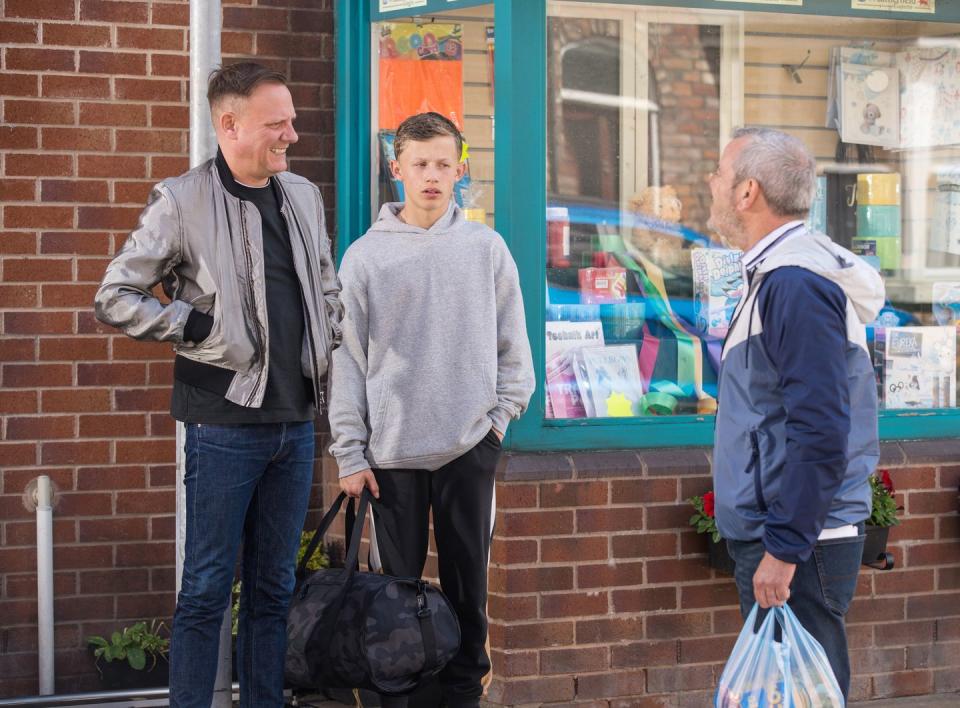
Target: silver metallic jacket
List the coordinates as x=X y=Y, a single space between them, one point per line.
x=205 y=247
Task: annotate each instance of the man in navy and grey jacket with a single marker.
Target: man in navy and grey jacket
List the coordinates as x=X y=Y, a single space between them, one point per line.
x=796 y=434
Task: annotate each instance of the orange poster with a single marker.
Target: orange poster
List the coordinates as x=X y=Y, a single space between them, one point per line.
x=421 y=69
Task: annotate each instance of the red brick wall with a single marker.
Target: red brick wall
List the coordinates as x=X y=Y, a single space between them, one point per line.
x=689 y=96
x=601 y=593
x=94 y=100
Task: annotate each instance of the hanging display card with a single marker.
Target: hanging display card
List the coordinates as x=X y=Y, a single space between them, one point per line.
x=870 y=105
x=929 y=96
x=920 y=367
x=925 y=111
x=421 y=69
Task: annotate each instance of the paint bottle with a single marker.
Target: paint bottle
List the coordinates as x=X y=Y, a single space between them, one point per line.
x=558 y=237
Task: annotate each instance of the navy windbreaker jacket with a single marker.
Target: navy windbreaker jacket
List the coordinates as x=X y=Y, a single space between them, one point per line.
x=796 y=434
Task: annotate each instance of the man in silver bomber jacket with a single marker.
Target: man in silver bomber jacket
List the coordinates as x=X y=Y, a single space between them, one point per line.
x=240 y=248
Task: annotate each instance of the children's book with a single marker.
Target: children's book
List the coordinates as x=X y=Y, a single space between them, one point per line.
x=870 y=105
x=563 y=393
x=609 y=380
x=920 y=367
x=563 y=340
x=717 y=288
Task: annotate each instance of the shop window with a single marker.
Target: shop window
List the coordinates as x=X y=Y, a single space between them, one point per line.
x=440 y=62
x=640 y=102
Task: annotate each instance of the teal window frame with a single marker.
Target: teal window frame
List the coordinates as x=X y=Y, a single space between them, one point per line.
x=520 y=141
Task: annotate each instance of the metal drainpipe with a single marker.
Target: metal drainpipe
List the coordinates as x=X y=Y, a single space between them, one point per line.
x=205 y=18
x=45 y=584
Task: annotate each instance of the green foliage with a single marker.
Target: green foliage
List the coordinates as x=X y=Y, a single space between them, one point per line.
x=134 y=644
x=317 y=561
x=884 y=504
x=703 y=518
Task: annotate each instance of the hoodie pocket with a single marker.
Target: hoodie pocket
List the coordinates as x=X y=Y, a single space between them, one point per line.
x=430 y=411
x=756 y=469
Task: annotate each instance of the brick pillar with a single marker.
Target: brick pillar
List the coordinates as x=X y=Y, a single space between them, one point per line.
x=95 y=111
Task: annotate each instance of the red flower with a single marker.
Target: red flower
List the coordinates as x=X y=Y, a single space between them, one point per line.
x=708 y=504
x=887 y=481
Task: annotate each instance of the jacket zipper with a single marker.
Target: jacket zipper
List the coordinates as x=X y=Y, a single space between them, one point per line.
x=261 y=348
x=755 y=468
x=317 y=388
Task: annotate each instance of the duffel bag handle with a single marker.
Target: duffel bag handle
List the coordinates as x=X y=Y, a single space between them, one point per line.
x=356 y=532
x=320 y=533
x=353 y=550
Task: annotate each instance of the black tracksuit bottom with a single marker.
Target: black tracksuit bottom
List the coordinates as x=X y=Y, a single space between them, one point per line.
x=460 y=494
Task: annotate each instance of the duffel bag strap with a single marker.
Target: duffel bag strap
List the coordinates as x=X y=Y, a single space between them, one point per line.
x=431 y=657
x=350 y=521
x=353 y=550
x=350 y=563
x=320 y=532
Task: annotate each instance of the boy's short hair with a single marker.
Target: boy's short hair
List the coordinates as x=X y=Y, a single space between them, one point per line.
x=239 y=79
x=424 y=126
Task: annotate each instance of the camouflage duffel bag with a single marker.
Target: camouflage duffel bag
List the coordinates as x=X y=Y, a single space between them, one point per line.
x=348 y=629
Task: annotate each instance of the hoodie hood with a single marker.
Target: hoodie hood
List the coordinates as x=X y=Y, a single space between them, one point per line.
x=389 y=221
x=817 y=253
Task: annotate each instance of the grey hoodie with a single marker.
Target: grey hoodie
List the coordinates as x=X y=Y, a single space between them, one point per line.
x=435 y=348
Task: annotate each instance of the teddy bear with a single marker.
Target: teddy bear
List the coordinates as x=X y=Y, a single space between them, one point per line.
x=871 y=114
x=665 y=249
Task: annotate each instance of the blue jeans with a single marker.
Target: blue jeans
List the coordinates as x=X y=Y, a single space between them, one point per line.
x=248 y=483
x=820 y=593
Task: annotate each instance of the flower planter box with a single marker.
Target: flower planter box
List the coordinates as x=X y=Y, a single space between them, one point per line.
x=875 y=548
x=719 y=556
x=119 y=675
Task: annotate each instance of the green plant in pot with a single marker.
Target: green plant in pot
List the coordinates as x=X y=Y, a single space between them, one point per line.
x=882 y=516
x=704 y=521
x=134 y=656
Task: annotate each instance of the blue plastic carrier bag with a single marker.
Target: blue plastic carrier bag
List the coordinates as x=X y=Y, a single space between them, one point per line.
x=791 y=673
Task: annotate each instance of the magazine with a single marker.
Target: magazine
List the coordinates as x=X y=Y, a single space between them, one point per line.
x=920 y=366
x=717 y=288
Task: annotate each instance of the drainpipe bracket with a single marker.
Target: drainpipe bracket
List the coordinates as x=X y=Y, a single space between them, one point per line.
x=30 y=497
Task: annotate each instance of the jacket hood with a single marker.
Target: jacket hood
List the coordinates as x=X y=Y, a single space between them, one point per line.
x=817 y=253
x=389 y=221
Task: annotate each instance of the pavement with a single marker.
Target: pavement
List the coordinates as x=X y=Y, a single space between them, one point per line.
x=941 y=700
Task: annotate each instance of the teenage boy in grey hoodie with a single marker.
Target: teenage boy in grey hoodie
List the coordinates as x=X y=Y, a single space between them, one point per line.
x=434 y=364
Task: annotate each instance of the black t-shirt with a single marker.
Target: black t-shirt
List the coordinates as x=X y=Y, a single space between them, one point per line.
x=288 y=397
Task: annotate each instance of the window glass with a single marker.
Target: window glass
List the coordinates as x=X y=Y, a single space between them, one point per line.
x=441 y=62
x=640 y=102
